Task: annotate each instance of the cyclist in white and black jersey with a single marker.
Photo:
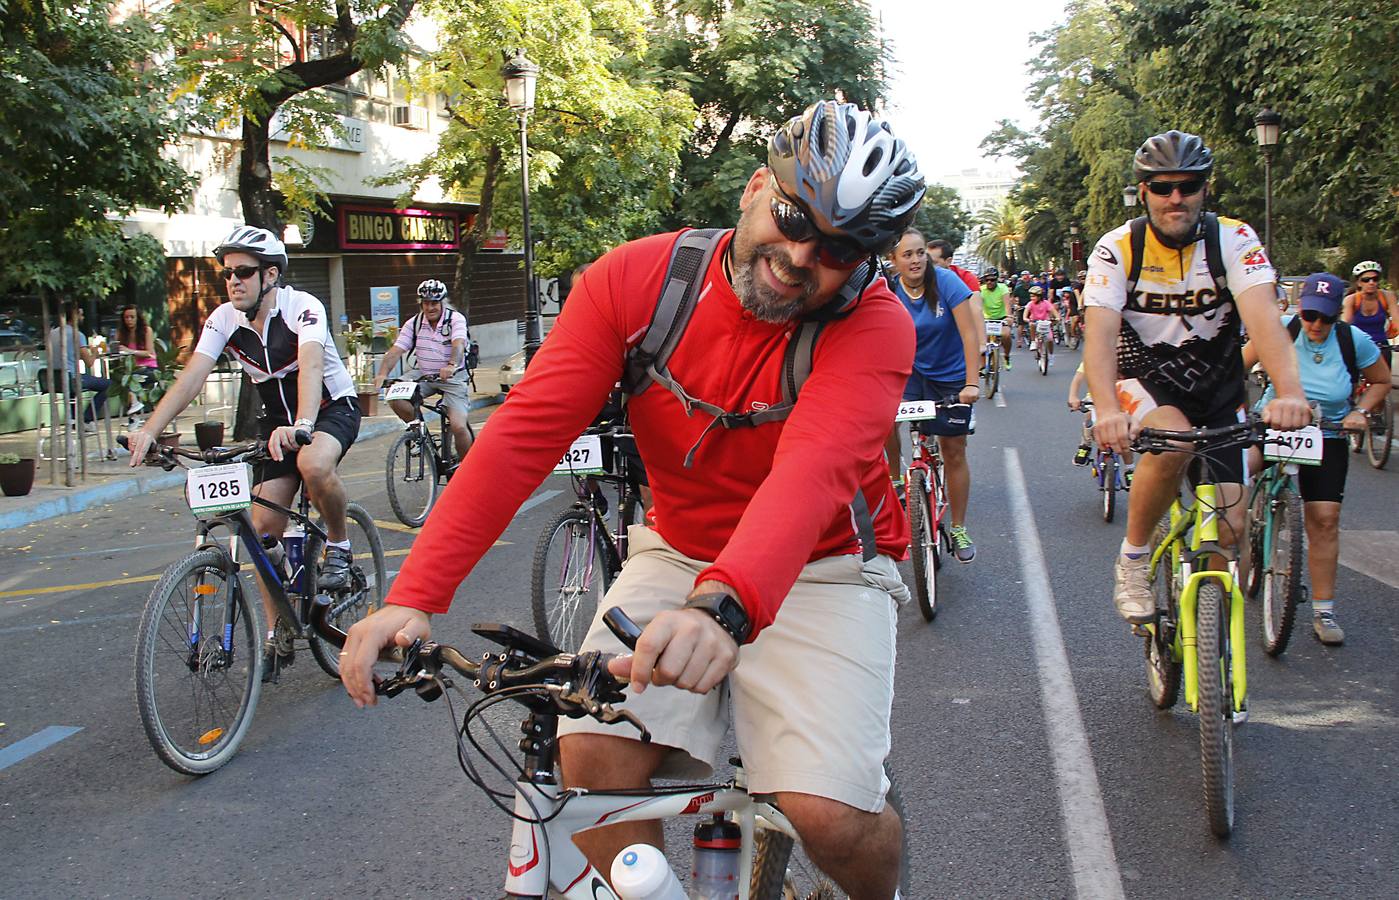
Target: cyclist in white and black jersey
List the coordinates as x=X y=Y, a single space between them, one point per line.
x=280 y=338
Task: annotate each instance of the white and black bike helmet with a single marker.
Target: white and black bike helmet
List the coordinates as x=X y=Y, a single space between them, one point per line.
x=848 y=172
x=433 y=290
x=258 y=242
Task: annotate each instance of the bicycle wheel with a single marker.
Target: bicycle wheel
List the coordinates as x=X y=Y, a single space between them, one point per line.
x=1216 y=707
x=369 y=583
x=1107 y=483
x=411 y=477
x=1281 y=563
x=1042 y=358
x=1382 y=434
x=924 y=545
x=781 y=871
x=1257 y=524
x=198 y=663
x=1162 y=667
x=1073 y=338
x=569 y=578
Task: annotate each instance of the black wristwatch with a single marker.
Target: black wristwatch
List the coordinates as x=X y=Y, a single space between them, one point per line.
x=725 y=610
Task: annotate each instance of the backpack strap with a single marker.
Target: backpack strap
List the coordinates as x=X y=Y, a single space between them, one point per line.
x=413 y=347
x=689 y=260
x=1136 y=247
x=1214 y=257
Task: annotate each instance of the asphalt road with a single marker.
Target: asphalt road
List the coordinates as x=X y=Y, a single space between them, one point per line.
x=1022 y=775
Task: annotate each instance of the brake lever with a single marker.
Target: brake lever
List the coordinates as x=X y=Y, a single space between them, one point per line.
x=576 y=704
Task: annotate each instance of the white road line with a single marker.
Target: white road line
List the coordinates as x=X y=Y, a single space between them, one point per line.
x=537 y=499
x=1000 y=398
x=1084 y=821
x=21 y=750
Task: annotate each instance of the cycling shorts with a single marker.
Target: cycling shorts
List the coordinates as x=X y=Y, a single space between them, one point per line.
x=811 y=696
x=456 y=392
x=339 y=419
x=1227 y=465
x=952 y=421
x=1326 y=482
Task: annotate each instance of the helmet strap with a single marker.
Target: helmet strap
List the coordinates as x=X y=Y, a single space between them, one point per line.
x=252 y=313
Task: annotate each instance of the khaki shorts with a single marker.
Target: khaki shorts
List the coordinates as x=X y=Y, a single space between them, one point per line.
x=456 y=393
x=811 y=695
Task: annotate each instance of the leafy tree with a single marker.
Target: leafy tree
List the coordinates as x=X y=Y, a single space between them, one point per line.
x=80 y=138
x=247 y=61
x=942 y=215
x=750 y=65
x=603 y=141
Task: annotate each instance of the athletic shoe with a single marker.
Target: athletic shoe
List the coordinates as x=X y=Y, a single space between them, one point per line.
x=1007 y=363
x=962 y=546
x=335 y=574
x=1082 y=454
x=276 y=657
x=1327 y=631
x=1132 y=592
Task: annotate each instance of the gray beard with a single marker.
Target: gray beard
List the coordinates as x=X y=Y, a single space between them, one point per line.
x=763 y=302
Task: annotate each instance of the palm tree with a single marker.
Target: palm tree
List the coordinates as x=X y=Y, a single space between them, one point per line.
x=1002 y=233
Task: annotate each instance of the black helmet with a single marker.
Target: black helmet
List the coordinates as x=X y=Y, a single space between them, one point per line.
x=992 y=272
x=1172 y=153
x=849 y=172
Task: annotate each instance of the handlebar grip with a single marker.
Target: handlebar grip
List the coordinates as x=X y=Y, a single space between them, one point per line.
x=321 y=625
x=620 y=624
x=123 y=442
x=303 y=437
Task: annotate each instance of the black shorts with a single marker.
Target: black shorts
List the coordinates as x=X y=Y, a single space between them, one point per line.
x=1326 y=482
x=1227 y=465
x=338 y=418
x=952 y=421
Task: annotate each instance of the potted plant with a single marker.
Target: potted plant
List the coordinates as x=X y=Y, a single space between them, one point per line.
x=360 y=343
x=16 y=475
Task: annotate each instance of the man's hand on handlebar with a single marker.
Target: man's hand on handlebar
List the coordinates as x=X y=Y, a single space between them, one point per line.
x=681 y=647
x=392 y=626
x=446 y=372
x=970 y=394
x=1116 y=431
x=139 y=442
x=284 y=438
x=1287 y=413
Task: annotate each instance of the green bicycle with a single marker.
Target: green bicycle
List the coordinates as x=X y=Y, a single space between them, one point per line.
x=1198 y=631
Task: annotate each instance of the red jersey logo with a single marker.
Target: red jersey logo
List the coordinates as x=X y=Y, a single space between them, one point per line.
x=1256 y=257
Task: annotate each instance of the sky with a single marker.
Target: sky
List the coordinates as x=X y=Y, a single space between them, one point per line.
x=959 y=69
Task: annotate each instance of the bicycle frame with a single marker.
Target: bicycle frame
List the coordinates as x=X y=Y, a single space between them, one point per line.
x=545 y=862
x=1198 y=517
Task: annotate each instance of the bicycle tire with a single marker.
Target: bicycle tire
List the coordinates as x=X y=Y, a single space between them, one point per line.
x=361 y=601
x=411 y=461
x=1282 y=577
x=1163 y=670
x=992 y=373
x=1107 y=483
x=1042 y=359
x=1072 y=340
x=565 y=586
x=215 y=735
x=923 y=548
x=1382 y=440
x=1215 y=707
x=773 y=878
x=1257 y=525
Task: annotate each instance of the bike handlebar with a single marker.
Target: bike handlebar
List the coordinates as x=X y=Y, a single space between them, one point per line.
x=250 y=451
x=1157 y=440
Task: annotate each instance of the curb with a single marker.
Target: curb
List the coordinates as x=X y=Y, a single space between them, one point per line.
x=82 y=499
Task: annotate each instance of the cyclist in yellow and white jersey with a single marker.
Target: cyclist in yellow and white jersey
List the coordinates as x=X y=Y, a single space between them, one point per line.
x=1162 y=344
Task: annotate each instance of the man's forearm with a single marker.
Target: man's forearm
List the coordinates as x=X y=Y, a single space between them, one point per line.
x=458 y=352
x=181 y=393
x=308 y=384
x=391 y=358
x=1100 y=360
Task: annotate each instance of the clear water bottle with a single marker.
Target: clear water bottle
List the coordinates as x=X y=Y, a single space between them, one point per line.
x=715 y=872
x=276 y=553
x=294 y=540
x=640 y=872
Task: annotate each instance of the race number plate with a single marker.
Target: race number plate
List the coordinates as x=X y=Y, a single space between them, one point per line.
x=402 y=390
x=212 y=490
x=1302 y=446
x=1042 y=326
x=916 y=411
x=993 y=329
x=583 y=458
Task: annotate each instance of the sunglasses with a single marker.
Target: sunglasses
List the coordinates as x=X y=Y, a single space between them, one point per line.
x=832 y=252
x=243 y=272
x=1369 y=279
x=426 y=301
x=1311 y=315
x=1186 y=188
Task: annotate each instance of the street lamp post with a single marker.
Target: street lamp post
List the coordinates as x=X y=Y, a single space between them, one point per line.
x=1129 y=196
x=519 y=75
x=1266 y=127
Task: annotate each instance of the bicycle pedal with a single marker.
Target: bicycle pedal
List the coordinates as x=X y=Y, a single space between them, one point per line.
x=1141 y=629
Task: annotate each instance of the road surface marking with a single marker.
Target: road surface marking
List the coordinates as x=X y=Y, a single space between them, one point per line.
x=89 y=586
x=21 y=750
x=1084 y=821
x=1000 y=398
x=1371 y=553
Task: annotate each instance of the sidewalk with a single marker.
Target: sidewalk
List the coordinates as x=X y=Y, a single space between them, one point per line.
x=112 y=480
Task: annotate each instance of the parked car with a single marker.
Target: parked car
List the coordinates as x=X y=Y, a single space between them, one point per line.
x=511 y=371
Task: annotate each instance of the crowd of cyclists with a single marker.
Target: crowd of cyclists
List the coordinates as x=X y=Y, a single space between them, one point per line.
x=732 y=591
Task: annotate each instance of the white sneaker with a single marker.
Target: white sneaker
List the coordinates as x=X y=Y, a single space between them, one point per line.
x=1132 y=592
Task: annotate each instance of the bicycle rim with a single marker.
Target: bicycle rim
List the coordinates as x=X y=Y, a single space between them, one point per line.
x=198 y=663
x=1107 y=483
x=368 y=584
x=924 y=545
x=569 y=577
x=411 y=478
x=781 y=870
x=1257 y=533
x=1216 y=708
x=1382 y=437
x=1163 y=669
x=1282 y=574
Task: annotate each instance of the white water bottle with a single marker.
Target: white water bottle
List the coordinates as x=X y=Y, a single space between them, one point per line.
x=640 y=872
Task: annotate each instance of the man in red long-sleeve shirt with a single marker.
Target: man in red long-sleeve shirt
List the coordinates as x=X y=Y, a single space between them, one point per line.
x=751 y=575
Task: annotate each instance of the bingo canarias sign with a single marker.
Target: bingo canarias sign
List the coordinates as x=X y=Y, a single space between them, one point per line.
x=377 y=228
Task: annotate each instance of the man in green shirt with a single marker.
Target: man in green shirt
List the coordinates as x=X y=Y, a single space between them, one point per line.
x=995 y=309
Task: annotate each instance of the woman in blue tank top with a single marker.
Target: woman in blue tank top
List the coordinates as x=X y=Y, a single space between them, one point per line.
x=1369 y=308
